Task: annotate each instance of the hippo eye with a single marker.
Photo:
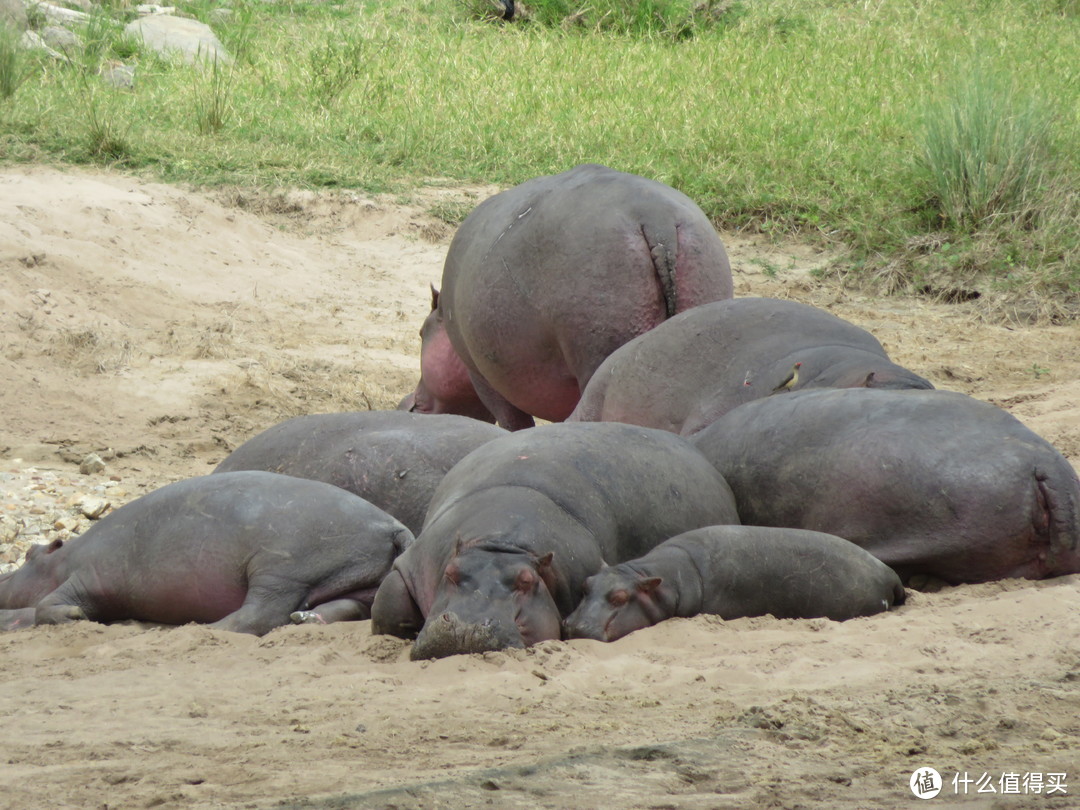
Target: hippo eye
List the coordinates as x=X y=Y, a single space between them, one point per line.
x=618 y=598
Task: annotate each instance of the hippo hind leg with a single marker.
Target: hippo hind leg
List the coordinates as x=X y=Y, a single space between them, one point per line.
x=266 y=606
x=506 y=414
x=59 y=614
x=339 y=610
x=69 y=603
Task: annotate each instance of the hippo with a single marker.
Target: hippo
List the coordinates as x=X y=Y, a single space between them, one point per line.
x=517 y=525
x=239 y=550
x=545 y=280
x=736 y=571
x=393 y=459
x=695 y=367
x=933 y=483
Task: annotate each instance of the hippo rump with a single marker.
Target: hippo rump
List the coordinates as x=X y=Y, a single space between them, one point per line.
x=697 y=366
x=929 y=482
x=240 y=550
x=545 y=280
x=515 y=528
x=736 y=571
x=393 y=459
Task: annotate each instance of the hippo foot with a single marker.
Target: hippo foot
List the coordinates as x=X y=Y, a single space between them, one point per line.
x=59 y=614
x=306 y=617
x=447 y=635
x=16 y=619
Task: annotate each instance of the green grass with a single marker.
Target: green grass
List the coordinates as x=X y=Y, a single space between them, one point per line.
x=808 y=118
x=14 y=69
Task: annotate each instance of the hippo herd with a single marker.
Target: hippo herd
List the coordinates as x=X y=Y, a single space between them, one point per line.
x=738 y=457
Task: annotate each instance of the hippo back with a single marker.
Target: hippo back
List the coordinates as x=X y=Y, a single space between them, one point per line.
x=929 y=482
x=546 y=279
x=394 y=459
x=695 y=367
x=631 y=487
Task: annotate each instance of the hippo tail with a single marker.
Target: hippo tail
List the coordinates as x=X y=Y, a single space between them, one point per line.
x=664 y=252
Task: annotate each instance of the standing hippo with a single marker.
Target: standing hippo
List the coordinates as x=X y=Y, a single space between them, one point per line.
x=545 y=280
x=697 y=366
x=242 y=550
x=736 y=571
x=929 y=482
x=515 y=528
x=391 y=458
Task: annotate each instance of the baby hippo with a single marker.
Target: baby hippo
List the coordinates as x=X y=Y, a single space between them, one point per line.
x=736 y=571
x=239 y=550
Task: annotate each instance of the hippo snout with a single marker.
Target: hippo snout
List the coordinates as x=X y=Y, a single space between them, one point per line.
x=578 y=626
x=447 y=634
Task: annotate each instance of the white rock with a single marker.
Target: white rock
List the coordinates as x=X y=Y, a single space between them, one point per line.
x=168 y=35
x=91 y=464
x=32 y=41
x=59 y=13
x=92 y=507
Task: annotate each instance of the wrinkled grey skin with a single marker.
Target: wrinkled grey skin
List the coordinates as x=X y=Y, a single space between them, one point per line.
x=515 y=528
x=546 y=279
x=929 y=482
x=391 y=458
x=735 y=571
x=239 y=550
x=693 y=368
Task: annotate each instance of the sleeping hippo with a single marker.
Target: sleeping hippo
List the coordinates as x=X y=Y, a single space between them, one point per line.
x=929 y=482
x=516 y=526
x=697 y=366
x=239 y=550
x=545 y=280
x=391 y=458
x=736 y=571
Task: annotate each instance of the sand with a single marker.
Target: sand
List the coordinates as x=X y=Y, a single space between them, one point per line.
x=161 y=327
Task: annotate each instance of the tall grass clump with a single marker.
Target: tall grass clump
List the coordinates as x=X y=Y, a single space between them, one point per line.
x=666 y=18
x=213 y=83
x=985 y=151
x=14 y=67
x=334 y=65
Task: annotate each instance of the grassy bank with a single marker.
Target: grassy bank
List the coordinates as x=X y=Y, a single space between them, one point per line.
x=807 y=117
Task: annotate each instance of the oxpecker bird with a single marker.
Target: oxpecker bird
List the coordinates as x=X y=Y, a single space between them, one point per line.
x=790 y=381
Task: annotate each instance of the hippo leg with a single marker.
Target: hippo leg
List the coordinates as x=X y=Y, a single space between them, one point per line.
x=16 y=619
x=258 y=615
x=506 y=414
x=339 y=610
x=69 y=603
x=394 y=611
x=58 y=614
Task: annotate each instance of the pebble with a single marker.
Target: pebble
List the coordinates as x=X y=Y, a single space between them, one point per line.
x=92 y=464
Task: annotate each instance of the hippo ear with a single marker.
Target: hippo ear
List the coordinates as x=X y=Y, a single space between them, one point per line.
x=649 y=584
x=453 y=573
x=545 y=570
x=869 y=381
x=434 y=298
x=44 y=548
